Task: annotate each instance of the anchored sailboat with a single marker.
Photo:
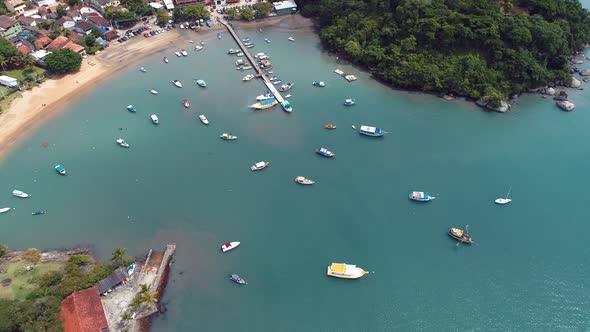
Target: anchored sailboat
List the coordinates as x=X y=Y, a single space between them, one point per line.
x=505 y=200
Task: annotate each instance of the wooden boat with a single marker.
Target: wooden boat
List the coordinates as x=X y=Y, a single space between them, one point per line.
x=330 y=126
x=303 y=180
x=229 y=246
x=259 y=165
x=228 y=136
x=60 y=169
x=345 y=271
x=20 y=194
x=460 y=235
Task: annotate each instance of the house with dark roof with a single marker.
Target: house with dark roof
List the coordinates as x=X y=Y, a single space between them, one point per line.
x=111 y=35
x=9 y=27
x=27 y=21
x=99 y=22
x=66 y=22
x=82 y=311
x=42 y=42
x=83 y=27
x=116 y=278
x=184 y=3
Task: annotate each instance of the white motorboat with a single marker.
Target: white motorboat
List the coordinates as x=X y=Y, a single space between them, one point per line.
x=155 y=119
x=183 y=52
x=177 y=83
x=6 y=209
x=178 y=54
x=265 y=96
x=288 y=96
x=248 y=77
x=154 y=92
x=20 y=194
x=504 y=200
x=229 y=246
x=122 y=142
x=203 y=119
x=303 y=180
x=345 y=271
x=267 y=40
x=291 y=39
x=259 y=165
x=198 y=48
x=228 y=136
x=142 y=70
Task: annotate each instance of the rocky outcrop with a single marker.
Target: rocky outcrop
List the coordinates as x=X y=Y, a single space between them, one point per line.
x=565 y=105
x=585 y=72
x=577 y=61
x=485 y=103
x=550 y=91
x=575 y=83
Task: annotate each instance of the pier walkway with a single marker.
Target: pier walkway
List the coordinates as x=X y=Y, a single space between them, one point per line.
x=259 y=71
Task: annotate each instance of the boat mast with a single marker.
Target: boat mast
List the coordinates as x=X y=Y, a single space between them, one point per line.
x=509 y=190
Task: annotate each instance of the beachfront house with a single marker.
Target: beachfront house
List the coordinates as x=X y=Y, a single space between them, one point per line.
x=8 y=81
x=82 y=311
x=84 y=27
x=99 y=22
x=9 y=27
x=116 y=278
x=65 y=42
x=111 y=35
x=39 y=57
x=285 y=7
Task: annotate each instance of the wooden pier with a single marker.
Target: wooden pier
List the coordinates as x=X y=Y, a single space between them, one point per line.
x=259 y=71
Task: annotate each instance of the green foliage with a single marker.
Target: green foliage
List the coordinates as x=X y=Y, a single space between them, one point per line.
x=63 y=61
x=117 y=256
x=473 y=48
x=73 y=2
x=32 y=255
x=137 y=7
x=123 y=18
x=61 y=11
x=162 y=16
x=3 y=11
x=90 y=40
x=196 y=12
x=262 y=8
x=3 y=250
x=232 y=14
x=178 y=14
x=247 y=14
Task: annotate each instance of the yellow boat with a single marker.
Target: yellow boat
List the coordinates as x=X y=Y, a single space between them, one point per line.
x=345 y=271
x=330 y=126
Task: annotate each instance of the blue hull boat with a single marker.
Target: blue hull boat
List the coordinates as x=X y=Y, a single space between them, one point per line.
x=38 y=213
x=420 y=196
x=371 y=131
x=60 y=169
x=131 y=109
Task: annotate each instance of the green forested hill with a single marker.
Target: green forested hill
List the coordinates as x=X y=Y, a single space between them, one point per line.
x=473 y=48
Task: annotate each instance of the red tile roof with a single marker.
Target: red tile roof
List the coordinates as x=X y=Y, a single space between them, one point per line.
x=24 y=49
x=98 y=20
x=74 y=47
x=82 y=311
x=42 y=42
x=110 y=35
x=58 y=43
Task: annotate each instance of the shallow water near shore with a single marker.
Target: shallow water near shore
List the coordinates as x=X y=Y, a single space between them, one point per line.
x=179 y=182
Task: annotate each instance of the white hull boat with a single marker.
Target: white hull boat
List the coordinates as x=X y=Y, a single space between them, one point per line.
x=248 y=77
x=291 y=39
x=6 y=209
x=155 y=119
x=122 y=142
x=184 y=53
x=178 y=54
x=20 y=194
x=229 y=246
x=177 y=83
x=259 y=165
x=154 y=92
x=504 y=200
x=198 y=48
x=203 y=119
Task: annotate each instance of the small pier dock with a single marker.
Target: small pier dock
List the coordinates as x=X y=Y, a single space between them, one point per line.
x=259 y=71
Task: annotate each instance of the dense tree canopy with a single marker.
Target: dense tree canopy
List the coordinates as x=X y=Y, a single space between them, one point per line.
x=468 y=47
x=63 y=61
x=262 y=8
x=196 y=12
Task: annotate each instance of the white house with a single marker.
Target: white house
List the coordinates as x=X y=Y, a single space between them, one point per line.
x=8 y=81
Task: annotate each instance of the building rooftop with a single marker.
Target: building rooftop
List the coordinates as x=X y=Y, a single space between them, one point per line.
x=286 y=4
x=84 y=26
x=74 y=47
x=58 y=43
x=111 y=34
x=98 y=20
x=83 y=311
x=6 y=22
x=24 y=49
x=42 y=42
x=117 y=277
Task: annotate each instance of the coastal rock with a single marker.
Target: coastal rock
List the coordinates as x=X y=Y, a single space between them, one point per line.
x=585 y=72
x=550 y=91
x=484 y=102
x=577 y=61
x=575 y=83
x=565 y=105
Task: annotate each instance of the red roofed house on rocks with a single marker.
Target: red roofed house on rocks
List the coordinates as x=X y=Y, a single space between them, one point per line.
x=82 y=311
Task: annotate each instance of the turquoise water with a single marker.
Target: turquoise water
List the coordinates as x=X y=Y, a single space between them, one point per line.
x=180 y=183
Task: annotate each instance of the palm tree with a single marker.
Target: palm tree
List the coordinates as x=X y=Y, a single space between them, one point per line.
x=117 y=256
x=146 y=296
x=3 y=62
x=54 y=25
x=27 y=60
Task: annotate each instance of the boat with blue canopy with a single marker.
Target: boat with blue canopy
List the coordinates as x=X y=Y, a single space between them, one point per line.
x=60 y=169
x=131 y=108
x=372 y=131
x=420 y=196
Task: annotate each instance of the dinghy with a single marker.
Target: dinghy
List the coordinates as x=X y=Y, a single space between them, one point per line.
x=20 y=194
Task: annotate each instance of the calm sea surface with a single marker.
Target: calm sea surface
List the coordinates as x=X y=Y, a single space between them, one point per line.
x=180 y=182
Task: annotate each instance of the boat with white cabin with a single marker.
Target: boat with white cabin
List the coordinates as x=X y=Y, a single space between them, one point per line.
x=291 y=39
x=20 y=194
x=303 y=180
x=259 y=165
x=248 y=77
x=154 y=92
x=349 y=102
x=143 y=70
x=178 y=54
x=6 y=209
x=122 y=142
x=319 y=83
x=201 y=83
x=131 y=108
x=198 y=48
x=203 y=119
x=420 y=196
x=183 y=52
x=155 y=119
x=165 y=59
x=264 y=96
x=345 y=271
x=237 y=279
x=177 y=83
x=460 y=235
x=229 y=246
x=286 y=87
x=287 y=106
x=325 y=152
x=228 y=136
x=371 y=131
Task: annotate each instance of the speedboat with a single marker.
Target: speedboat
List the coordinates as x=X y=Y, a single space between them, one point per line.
x=198 y=48
x=202 y=42
x=460 y=235
x=291 y=39
x=349 y=102
x=177 y=83
x=319 y=83
x=371 y=131
x=203 y=119
x=233 y=51
x=60 y=169
x=236 y=278
x=36 y=213
x=288 y=96
x=183 y=52
x=185 y=103
x=325 y=152
x=259 y=165
x=303 y=180
x=277 y=82
x=345 y=271
x=154 y=92
x=229 y=246
x=201 y=83
x=131 y=269
x=264 y=104
x=286 y=87
x=245 y=40
x=273 y=78
x=131 y=108
x=267 y=95
x=228 y=136
x=420 y=196
x=165 y=59
x=287 y=106
x=178 y=54
x=20 y=194
x=248 y=77
x=6 y=209
x=330 y=126
x=122 y=142
x=240 y=54
x=267 y=40
x=155 y=119
x=142 y=70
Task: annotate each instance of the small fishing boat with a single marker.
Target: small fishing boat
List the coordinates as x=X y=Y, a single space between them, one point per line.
x=131 y=108
x=233 y=51
x=287 y=106
x=178 y=54
x=60 y=169
x=243 y=67
x=277 y=82
x=303 y=180
x=330 y=126
x=201 y=83
x=236 y=278
x=165 y=59
x=229 y=246
x=240 y=54
x=186 y=103
x=246 y=39
x=219 y=35
x=460 y=235
x=228 y=136
x=248 y=77
x=155 y=119
x=420 y=196
x=183 y=52
x=248 y=43
x=131 y=269
x=36 y=213
x=6 y=209
x=154 y=92
x=198 y=48
x=319 y=83
x=286 y=87
x=250 y=46
x=349 y=102
x=177 y=83
x=122 y=142
x=20 y=194
x=291 y=39
x=202 y=42
x=203 y=119
x=504 y=200
x=259 y=165
x=274 y=78
x=288 y=96
x=345 y=271
x=267 y=40
x=371 y=131
x=142 y=70
x=325 y=152
x=267 y=95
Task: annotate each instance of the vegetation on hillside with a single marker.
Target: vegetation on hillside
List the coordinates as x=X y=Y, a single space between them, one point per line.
x=472 y=48
x=63 y=61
